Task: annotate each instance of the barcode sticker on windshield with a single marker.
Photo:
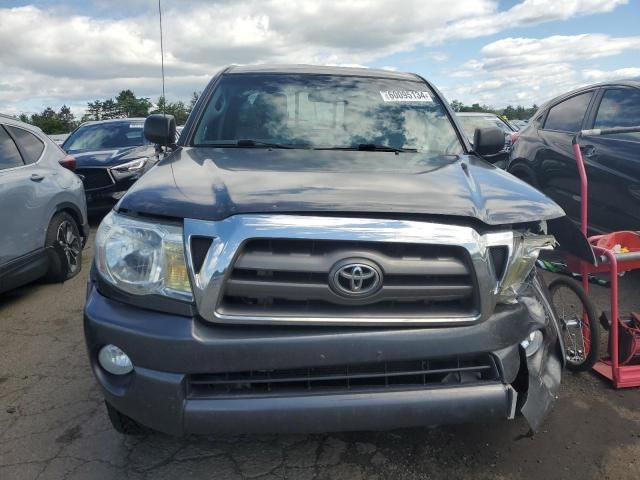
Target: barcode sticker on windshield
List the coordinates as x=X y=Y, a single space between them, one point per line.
x=136 y=125
x=405 y=96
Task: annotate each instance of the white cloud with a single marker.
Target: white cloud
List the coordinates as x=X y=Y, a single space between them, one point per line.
x=528 y=70
x=516 y=52
x=527 y=13
x=603 y=76
x=51 y=56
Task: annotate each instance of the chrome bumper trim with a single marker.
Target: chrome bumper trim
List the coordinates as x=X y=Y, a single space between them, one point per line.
x=230 y=234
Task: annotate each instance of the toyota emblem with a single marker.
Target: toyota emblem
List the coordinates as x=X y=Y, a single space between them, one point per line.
x=355 y=278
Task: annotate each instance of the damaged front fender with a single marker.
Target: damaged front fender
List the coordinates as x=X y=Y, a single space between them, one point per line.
x=542 y=374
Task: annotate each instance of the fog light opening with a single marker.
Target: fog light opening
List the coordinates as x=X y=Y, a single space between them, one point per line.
x=114 y=360
x=532 y=343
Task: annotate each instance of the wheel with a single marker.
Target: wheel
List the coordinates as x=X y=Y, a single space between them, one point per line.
x=524 y=173
x=123 y=424
x=578 y=323
x=64 y=248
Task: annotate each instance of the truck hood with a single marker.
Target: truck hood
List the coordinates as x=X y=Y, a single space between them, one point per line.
x=110 y=157
x=215 y=183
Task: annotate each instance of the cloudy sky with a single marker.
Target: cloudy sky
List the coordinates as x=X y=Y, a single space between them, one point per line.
x=56 y=52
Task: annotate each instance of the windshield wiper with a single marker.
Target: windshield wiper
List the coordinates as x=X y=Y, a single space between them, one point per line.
x=257 y=143
x=384 y=148
x=370 y=147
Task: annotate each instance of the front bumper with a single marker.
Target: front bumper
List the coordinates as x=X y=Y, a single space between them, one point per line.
x=166 y=349
x=103 y=199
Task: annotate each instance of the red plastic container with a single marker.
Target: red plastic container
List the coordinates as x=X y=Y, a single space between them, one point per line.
x=630 y=240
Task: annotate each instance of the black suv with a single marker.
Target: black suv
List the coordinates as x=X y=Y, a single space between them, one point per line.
x=543 y=154
x=323 y=251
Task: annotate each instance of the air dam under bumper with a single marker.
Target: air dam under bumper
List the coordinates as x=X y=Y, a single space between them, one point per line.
x=167 y=349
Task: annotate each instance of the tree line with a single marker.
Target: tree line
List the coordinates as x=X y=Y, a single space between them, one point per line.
x=510 y=112
x=125 y=105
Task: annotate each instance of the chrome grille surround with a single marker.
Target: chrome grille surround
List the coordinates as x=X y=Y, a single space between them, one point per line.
x=231 y=233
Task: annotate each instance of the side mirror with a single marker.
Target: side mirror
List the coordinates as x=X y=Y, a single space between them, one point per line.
x=486 y=141
x=160 y=129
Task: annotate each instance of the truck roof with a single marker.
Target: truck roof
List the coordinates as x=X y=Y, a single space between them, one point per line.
x=321 y=70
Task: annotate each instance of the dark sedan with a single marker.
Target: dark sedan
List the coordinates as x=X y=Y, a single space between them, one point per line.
x=111 y=155
x=543 y=156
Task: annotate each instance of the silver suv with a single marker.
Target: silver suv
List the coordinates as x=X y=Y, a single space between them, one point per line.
x=43 y=212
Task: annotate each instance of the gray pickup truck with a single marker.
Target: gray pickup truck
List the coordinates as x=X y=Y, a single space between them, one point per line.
x=324 y=250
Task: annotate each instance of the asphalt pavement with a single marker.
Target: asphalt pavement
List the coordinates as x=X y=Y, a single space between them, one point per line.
x=53 y=424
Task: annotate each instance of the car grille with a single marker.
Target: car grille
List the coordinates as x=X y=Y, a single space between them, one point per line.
x=400 y=375
x=291 y=278
x=93 y=178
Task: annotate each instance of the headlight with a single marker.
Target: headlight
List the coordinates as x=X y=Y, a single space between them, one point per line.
x=142 y=258
x=525 y=251
x=130 y=169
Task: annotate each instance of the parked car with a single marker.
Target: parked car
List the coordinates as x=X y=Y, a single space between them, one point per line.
x=43 y=214
x=472 y=120
x=111 y=155
x=519 y=124
x=543 y=155
x=58 y=138
x=324 y=250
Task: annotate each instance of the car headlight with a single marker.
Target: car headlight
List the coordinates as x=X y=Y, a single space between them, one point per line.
x=134 y=168
x=142 y=258
x=525 y=252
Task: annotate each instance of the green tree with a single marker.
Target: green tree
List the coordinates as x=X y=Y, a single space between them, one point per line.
x=509 y=112
x=66 y=118
x=94 y=111
x=131 y=106
x=194 y=98
x=456 y=105
x=178 y=109
x=109 y=110
x=51 y=121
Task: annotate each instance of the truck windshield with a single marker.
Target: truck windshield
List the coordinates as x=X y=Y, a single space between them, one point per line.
x=326 y=111
x=105 y=135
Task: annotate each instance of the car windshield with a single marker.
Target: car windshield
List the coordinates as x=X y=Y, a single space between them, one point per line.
x=106 y=135
x=326 y=111
x=470 y=123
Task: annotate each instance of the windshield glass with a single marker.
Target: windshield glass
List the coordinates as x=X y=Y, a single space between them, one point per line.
x=326 y=111
x=106 y=135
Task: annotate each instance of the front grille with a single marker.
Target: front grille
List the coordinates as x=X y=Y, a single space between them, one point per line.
x=291 y=278
x=93 y=178
x=401 y=375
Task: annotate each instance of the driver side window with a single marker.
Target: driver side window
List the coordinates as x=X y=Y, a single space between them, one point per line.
x=620 y=108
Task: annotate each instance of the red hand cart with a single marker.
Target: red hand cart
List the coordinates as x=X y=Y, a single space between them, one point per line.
x=623 y=372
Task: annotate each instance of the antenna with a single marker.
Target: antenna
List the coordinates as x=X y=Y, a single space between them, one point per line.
x=164 y=99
